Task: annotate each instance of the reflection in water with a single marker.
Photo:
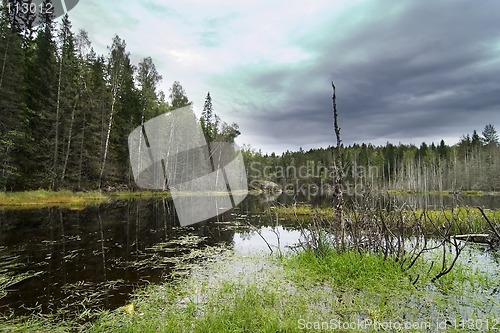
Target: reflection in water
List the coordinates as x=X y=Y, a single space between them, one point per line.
x=427 y=201
x=95 y=256
x=278 y=238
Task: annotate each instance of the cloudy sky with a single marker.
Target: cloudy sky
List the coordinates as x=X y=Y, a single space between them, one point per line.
x=405 y=71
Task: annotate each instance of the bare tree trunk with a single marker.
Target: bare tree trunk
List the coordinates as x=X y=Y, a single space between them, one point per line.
x=7 y=150
x=139 y=160
x=106 y=145
x=80 y=163
x=4 y=62
x=339 y=207
x=117 y=63
x=58 y=106
x=69 y=144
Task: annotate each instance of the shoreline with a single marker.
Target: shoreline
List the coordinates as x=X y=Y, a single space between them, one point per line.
x=78 y=200
x=67 y=198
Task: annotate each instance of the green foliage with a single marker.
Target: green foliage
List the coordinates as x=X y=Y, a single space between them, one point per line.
x=67 y=112
x=490 y=136
x=349 y=270
x=178 y=97
x=468 y=165
x=214 y=129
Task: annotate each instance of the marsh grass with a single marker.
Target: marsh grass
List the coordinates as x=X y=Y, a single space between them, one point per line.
x=349 y=270
x=278 y=294
x=262 y=293
x=462 y=219
x=465 y=193
x=79 y=200
x=44 y=198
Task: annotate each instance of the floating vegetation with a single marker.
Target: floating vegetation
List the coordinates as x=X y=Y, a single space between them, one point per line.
x=8 y=265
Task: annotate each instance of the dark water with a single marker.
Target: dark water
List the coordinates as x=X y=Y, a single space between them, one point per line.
x=96 y=257
x=70 y=260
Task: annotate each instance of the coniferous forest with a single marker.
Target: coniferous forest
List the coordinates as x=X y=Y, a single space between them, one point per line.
x=66 y=113
x=471 y=164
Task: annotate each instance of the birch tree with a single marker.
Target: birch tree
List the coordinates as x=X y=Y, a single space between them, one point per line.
x=68 y=96
x=117 y=60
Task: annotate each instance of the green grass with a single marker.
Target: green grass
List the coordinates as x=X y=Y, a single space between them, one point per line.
x=221 y=301
x=50 y=198
x=299 y=292
x=351 y=270
x=78 y=200
x=35 y=323
x=462 y=219
x=140 y=194
x=465 y=192
x=301 y=211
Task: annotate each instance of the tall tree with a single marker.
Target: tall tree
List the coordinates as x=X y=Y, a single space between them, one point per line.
x=207 y=119
x=11 y=99
x=68 y=93
x=475 y=140
x=41 y=83
x=490 y=136
x=128 y=112
x=117 y=61
x=178 y=97
x=148 y=78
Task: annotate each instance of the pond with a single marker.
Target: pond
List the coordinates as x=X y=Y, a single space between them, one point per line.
x=57 y=260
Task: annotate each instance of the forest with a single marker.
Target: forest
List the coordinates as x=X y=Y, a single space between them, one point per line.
x=83 y=248
x=66 y=113
x=472 y=164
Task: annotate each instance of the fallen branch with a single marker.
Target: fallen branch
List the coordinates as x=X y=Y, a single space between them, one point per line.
x=489 y=222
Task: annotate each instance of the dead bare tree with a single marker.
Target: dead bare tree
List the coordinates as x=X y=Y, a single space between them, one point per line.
x=495 y=238
x=338 y=195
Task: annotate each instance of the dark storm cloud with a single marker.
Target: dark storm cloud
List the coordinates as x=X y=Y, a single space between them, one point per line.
x=426 y=70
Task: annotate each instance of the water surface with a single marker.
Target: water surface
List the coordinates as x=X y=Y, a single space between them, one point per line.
x=62 y=260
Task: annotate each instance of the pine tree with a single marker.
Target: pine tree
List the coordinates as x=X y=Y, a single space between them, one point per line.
x=41 y=83
x=475 y=140
x=207 y=119
x=68 y=98
x=11 y=100
x=128 y=111
x=490 y=136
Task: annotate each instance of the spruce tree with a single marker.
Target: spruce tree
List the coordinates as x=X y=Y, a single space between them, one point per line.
x=41 y=94
x=490 y=136
x=11 y=101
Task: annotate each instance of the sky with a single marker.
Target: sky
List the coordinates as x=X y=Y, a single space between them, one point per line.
x=404 y=71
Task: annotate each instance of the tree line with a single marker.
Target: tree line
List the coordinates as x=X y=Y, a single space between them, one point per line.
x=471 y=164
x=66 y=111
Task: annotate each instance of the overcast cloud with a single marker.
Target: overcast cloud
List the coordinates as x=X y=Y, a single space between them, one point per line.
x=405 y=72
